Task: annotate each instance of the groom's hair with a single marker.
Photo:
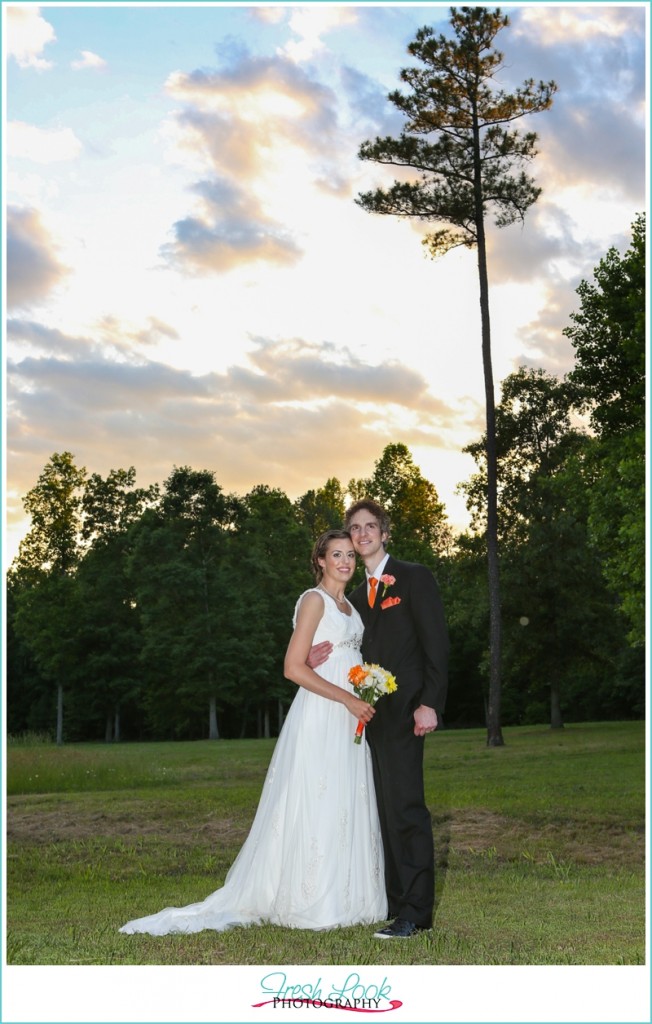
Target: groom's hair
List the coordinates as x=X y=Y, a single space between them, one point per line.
x=374 y=509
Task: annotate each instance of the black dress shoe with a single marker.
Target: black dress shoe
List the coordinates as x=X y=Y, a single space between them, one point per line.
x=399 y=929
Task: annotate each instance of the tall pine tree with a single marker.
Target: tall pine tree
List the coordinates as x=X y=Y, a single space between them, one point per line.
x=459 y=139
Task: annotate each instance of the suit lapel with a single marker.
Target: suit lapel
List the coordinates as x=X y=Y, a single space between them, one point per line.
x=358 y=599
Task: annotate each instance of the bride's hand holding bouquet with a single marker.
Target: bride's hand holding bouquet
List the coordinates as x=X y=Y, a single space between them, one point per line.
x=360 y=708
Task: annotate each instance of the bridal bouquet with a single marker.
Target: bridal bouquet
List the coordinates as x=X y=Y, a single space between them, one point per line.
x=371 y=682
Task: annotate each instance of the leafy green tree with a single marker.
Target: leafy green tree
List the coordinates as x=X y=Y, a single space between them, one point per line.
x=109 y=622
x=52 y=545
x=29 y=695
x=534 y=439
x=617 y=524
x=182 y=593
x=322 y=509
x=110 y=506
x=462 y=577
x=47 y=621
x=274 y=569
x=420 y=529
x=555 y=601
x=43 y=575
x=109 y=637
x=459 y=137
x=608 y=334
x=558 y=614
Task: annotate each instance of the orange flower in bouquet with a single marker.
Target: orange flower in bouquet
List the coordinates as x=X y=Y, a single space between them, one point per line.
x=371 y=682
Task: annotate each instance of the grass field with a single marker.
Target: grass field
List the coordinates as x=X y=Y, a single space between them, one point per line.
x=540 y=849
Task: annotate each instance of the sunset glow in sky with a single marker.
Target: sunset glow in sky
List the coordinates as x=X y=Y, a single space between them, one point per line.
x=191 y=282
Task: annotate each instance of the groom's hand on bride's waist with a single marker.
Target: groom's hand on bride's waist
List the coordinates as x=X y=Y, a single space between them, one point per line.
x=319 y=653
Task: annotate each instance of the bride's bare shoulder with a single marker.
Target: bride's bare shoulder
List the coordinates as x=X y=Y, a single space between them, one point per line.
x=311 y=599
x=310 y=603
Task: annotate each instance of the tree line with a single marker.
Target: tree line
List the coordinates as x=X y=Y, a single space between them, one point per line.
x=164 y=612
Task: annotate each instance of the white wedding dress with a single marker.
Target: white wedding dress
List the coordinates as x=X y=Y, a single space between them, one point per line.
x=313 y=858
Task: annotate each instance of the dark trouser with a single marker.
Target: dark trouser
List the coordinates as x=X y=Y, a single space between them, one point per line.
x=405 y=822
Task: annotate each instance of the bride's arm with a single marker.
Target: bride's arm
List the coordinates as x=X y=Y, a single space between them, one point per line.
x=309 y=616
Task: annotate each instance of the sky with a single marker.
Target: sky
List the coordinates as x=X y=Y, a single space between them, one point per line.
x=190 y=281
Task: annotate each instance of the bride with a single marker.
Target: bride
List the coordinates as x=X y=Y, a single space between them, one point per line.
x=313 y=858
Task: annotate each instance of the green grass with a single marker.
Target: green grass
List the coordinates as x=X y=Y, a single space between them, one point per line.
x=540 y=849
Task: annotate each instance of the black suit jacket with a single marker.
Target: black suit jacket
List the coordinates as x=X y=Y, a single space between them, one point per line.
x=409 y=638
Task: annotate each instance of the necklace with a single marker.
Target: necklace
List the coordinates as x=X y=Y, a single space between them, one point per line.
x=338 y=600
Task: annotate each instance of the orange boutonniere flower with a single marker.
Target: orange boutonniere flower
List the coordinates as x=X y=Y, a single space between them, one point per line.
x=387 y=581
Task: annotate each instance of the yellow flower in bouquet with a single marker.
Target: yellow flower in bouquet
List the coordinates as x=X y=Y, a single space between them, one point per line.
x=371 y=682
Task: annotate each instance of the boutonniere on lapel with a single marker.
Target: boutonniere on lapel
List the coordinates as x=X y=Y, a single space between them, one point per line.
x=388 y=581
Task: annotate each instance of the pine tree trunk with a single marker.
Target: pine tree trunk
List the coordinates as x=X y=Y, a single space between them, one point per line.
x=59 y=715
x=116 y=726
x=494 y=730
x=213 y=733
x=108 y=728
x=280 y=716
x=267 y=732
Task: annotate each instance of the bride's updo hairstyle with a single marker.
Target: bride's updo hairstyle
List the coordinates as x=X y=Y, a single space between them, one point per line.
x=321 y=547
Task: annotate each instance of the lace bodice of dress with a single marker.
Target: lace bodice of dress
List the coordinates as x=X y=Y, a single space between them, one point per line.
x=343 y=631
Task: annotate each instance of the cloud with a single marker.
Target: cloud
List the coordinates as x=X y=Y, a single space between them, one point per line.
x=27 y=35
x=572 y=24
x=303 y=371
x=268 y=15
x=597 y=57
x=310 y=24
x=88 y=60
x=573 y=149
x=369 y=105
x=280 y=372
x=236 y=115
x=230 y=230
x=296 y=415
x=110 y=337
x=113 y=334
x=41 y=145
x=545 y=246
x=40 y=338
x=33 y=268
x=245 y=124
x=155 y=330
x=544 y=344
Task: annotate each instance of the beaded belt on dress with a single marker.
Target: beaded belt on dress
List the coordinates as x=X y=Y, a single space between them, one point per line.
x=352 y=641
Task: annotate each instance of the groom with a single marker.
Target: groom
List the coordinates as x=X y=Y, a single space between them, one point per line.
x=404 y=632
